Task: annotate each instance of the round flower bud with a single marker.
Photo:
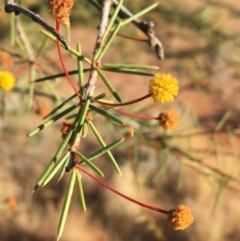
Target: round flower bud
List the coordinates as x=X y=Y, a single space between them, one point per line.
x=7 y=80
x=168 y=119
x=6 y=61
x=43 y=110
x=163 y=88
x=180 y=218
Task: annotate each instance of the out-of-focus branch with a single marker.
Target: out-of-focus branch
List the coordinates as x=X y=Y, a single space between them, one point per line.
x=146 y=27
x=26 y=44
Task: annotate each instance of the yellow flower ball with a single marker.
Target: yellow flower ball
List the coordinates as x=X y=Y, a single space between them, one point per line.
x=163 y=88
x=7 y=80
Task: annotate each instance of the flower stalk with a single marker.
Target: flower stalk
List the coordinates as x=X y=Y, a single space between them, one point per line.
x=62 y=61
x=125 y=103
x=121 y=194
x=178 y=219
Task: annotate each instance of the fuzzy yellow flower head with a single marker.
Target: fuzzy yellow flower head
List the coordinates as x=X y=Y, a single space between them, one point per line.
x=61 y=9
x=180 y=218
x=7 y=80
x=168 y=119
x=163 y=88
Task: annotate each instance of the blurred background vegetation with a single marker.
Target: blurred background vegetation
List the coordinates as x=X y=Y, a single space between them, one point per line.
x=197 y=164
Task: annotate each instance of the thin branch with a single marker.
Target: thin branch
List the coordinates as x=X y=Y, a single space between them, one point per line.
x=24 y=40
x=11 y=7
x=36 y=92
x=106 y=4
x=146 y=27
x=209 y=167
x=90 y=86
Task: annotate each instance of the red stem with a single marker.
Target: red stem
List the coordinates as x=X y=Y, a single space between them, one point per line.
x=21 y=69
x=122 y=195
x=38 y=106
x=62 y=62
x=143 y=117
x=126 y=103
